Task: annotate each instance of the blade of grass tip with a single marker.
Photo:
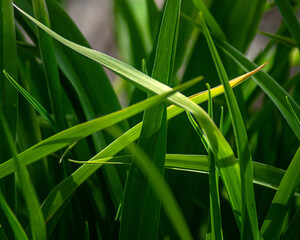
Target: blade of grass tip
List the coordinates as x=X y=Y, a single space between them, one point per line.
x=13 y=221
x=160 y=189
x=40 y=109
x=87 y=231
x=249 y=217
x=49 y=63
x=37 y=222
x=272 y=226
x=8 y=95
x=141 y=213
x=2 y=233
x=290 y=19
x=282 y=39
x=268 y=85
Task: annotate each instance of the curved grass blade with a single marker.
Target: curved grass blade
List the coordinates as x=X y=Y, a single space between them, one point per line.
x=49 y=63
x=290 y=19
x=41 y=110
x=272 y=226
x=13 y=221
x=249 y=228
x=282 y=39
x=293 y=112
x=37 y=222
x=268 y=84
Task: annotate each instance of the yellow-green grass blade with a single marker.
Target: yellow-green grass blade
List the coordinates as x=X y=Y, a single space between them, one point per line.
x=141 y=212
x=41 y=110
x=161 y=190
x=13 y=221
x=37 y=222
x=290 y=19
x=268 y=84
x=263 y=175
x=282 y=39
x=272 y=226
x=71 y=135
x=48 y=58
x=249 y=227
x=55 y=200
x=211 y=21
x=8 y=96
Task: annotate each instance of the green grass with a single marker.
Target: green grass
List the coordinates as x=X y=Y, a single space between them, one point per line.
x=148 y=170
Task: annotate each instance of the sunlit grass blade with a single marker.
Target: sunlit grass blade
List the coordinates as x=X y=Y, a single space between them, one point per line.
x=80 y=131
x=141 y=212
x=272 y=226
x=41 y=110
x=290 y=19
x=268 y=84
x=86 y=171
x=37 y=222
x=249 y=226
x=282 y=39
x=13 y=221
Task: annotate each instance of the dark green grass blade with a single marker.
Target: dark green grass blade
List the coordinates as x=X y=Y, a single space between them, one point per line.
x=49 y=63
x=290 y=19
x=8 y=96
x=2 y=233
x=249 y=228
x=153 y=18
x=264 y=175
x=293 y=230
x=293 y=112
x=272 y=226
x=211 y=21
x=269 y=86
x=161 y=190
x=141 y=212
x=282 y=39
x=37 y=222
x=41 y=110
x=13 y=221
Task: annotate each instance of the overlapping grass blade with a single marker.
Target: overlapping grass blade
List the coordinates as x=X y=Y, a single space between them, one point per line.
x=290 y=19
x=140 y=212
x=37 y=222
x=272 y=226
x=264 y=175
x=249 y=228
x=268 y=84
x=13 y=221
x=41 y=110
x=84 y=172
x=49 y=63
x=293 y=229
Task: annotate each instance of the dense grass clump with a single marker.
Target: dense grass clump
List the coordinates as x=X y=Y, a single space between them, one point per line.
x=194 y=155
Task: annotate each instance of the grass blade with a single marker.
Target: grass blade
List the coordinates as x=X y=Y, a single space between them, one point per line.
x=282 y=39
x=41 y=110
x=268 y=84
x=273 y=223
x=290 y=19
x=13 y=221
x=249 y=228
x=141 y=213
x=37 y=222
x=49 y=63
